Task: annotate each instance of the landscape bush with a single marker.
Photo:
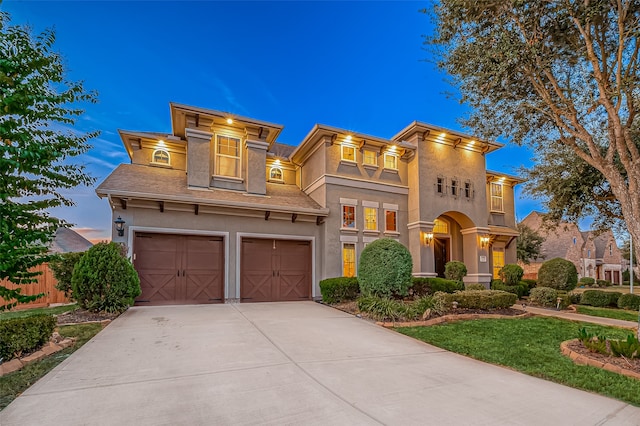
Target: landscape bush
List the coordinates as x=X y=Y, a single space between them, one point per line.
x=474 y=286
x=559 y=274
x=597 y=298
x=543 y=296
x=340 y=289
x=385 y=269
x=421 y=286
x=529 y=282
x=24 y=335
x=603 y=283
x=476 y=299
x=383 y=308
x=518 y=290
x=629 y=301
x=511 y=274
x=587 y=281
x=613 y=298
x=575 y=297
x=626 y=275
x=455 y=270
x=62 y=267
x=105 y=280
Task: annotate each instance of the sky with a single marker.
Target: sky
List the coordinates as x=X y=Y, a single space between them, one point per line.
x=356 y=65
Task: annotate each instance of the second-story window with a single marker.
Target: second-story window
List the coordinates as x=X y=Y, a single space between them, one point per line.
x=454 y=187
x=467 y=189
x=440 y=184
x=275 y=174
x=610 y=249
x=348 y=153
x=227 y=156
x=349 y=217
x=574 y=241
x=161 y=156
x=496 y=197
x=589 y=254
x=370 y=219
x=390 y=161
x=391 y=221
x=369 y=158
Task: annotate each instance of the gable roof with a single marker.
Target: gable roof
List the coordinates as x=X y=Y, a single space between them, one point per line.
x=557 y=241
x=67 y=241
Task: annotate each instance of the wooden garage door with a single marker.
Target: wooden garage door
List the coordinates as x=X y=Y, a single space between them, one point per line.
x=179 y=269
x=275 y=270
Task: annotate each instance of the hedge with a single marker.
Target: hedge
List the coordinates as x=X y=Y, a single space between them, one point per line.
x=340 y=289
x=385 y=268
x=599 y=298
x=421 y=286
x=476 y=299
x=519 y=290
x=587 y=281
x=544 y=296
x=23 y=335
x=629 y=301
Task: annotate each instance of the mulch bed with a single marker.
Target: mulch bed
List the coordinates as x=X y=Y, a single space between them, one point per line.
x=624 y=363
x=81 y=315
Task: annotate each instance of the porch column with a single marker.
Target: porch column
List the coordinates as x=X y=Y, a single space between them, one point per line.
x=421 y=252
x=476 y=255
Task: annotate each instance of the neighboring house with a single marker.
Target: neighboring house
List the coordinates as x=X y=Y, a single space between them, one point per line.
x=218 y=210
x=67 y=240
x=595 y=255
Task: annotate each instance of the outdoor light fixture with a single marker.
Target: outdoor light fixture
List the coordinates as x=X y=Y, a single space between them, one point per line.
x=428 y=238
x=484 y=241
x=229 y=120
x=348 y=138
x=119 y=226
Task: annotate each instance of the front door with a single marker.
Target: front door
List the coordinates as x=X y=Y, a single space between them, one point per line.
x=440 y=254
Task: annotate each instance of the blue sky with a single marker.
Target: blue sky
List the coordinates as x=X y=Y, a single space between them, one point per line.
x=355 y=65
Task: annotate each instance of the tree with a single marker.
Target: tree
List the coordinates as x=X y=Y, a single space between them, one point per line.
x=37 y=112
x=560 y=76
x=528 y=245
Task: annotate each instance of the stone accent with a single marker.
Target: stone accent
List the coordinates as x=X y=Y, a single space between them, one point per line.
x=49 y=349
x=449 y=318
x=583 y=360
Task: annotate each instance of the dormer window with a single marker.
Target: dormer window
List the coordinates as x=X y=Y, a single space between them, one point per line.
x=161 y=156
x=275 y=174
x=227 y=156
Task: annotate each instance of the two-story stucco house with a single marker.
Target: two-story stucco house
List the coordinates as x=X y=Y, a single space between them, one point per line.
x=218 y=210
x=595 y=255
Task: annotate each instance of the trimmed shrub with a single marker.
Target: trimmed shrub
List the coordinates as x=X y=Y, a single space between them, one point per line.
x=476 y=299
x=565 y=300
x=518 y=290
x=104 y=280
x=385 y=268
x=587 y=281
x=341 y=289
x=575 y=297
x=511 y=274
x=544 y=296
x=603 y=283
x=474 y=286
x=18 y=335
x=559 y=274
x=455 y=270
x=613 y=298
x=597 y=298
x=629 y=301
x=421 y=286
x=626 y=275
x=525 y=287
x=529 y=282
x=62 y=267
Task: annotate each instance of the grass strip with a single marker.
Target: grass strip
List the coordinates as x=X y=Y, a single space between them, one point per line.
x=531 y=346
x=30 y=312
x=13 y=384
x=613 y=313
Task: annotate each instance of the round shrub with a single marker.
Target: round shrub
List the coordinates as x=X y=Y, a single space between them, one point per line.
x=385 y=268
x=559 y=274
x=597 y=298
x=587 y=281
x=455 y=270
x=511 y=274
x=629 y=301
x=544 y=296
x=105 y=280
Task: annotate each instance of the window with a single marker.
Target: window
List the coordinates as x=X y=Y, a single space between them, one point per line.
x=275 y=174
x=349 y=260
x=440 y=185
x=390 y=161
x=348 y=153
x=390 y=221
x=349 y=217
x=496 y=197
x=610 y=249
x=440 y=227
x=498 y=262
x=228 y=156
x=369 y=158
x=588 y=254
x=370 y=219
x=574 y=241
x=454 y=187
x=161 y=156
x=467 y=189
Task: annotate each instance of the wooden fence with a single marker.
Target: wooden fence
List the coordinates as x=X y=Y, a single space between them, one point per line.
x=46 y=283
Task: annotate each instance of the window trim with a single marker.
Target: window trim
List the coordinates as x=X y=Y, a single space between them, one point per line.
x=468 y=189
x=392 y=155
x=218 y=155
x=455 y=188
x=355 y=258
x=395 y=215
x=496 y=197
x=353 y=149
x=158 y=150
x=375 y=156
x=375 y=211
x=271 y=178
x=342 y=218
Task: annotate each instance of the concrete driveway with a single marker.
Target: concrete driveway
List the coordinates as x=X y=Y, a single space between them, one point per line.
x=287 y=363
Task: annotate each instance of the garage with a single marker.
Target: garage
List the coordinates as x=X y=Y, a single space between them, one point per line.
x=274 y=270
x=179 y=269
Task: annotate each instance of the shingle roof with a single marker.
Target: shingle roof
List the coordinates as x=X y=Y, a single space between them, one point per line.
x=281 y=150
x=68 y=240
x=155 y=183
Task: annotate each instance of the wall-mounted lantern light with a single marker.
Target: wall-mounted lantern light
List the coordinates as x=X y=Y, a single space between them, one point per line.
x=428 y=238
x=484 y=241
x=119 y=226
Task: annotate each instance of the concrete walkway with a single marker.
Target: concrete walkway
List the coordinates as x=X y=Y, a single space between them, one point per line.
x=572 y=316
x=288 y=363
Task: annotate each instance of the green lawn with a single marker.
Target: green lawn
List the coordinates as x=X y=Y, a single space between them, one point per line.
x=532 y=346
x=620 y=314
x=13 y=384
x=29 y=312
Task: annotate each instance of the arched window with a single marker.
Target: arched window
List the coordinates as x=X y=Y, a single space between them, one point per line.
x=161 y=156
x=440 y=227
x=275 y=174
